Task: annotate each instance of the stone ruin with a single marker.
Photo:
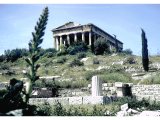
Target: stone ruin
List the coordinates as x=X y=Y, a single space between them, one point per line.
x=97 y=94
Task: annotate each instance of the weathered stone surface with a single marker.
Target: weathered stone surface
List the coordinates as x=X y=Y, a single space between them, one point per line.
x=151 y=92
x=150 y=113
x=124 y=107
x=93 y=100
x=96 y=86
x=118 y=84
x=75 y=100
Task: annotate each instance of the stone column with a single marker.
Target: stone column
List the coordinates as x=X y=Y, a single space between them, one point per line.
x=54 y=41
x=83 y=37
x=60 y=42
x=96 y=86
x=75 y=37
x=68 y=39
x=57 y=44
x=119 y=86
x=90 y=38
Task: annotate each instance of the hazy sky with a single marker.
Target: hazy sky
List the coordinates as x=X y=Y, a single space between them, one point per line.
x=18 y=21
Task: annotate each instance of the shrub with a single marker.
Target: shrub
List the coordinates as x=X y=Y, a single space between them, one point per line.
x=44 y=109
x=62 y=60
x=151 y=80
x=71 y=84
x=3 y=92
x=50 y=52
x=76 y=62
x=89 y=75
x=101 y=46
x=77 y=47
x=130 y=60
x=127 y=52
x=59 y=110
x=95 y=61
x=4 y=67
x=115 y=77
x=81 y=55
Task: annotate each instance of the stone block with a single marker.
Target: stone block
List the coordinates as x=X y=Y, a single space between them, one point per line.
x=118 y=84
x=63 y=100
x=110 y=84
x=124 y=107
x=93 y=100
x=105 y=85
x=75 y=100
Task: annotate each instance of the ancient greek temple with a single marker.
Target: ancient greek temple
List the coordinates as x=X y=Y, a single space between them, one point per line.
x=71 y=32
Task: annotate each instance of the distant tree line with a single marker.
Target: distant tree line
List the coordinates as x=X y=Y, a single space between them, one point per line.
x=15 y=54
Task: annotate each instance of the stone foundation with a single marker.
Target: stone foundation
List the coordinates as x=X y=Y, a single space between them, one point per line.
x=73 y=100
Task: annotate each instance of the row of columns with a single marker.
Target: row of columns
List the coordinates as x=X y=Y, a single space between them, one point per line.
x=58 y=40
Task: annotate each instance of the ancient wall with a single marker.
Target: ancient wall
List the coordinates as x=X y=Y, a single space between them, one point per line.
x=73 y=100
x=151 y=92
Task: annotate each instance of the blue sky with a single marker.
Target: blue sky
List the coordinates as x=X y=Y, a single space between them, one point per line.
x=18 y=21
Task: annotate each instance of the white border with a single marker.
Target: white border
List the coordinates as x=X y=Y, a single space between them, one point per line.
x=79 y=1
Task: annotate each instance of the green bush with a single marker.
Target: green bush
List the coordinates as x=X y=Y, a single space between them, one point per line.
x=101 y=46
x=89 y=75
x=3 y=92
x=115 y=77
x=72 y=84
x=44 y=109
x=151 y=80
x=76 y=62
x=4 y=66
x=95 y=61
x=81 y=55
x=127 y=52
x=62 y=60
x=59 y=110
x=77 y=47
x=49 y=52
x=63 y=51
x=130 y=60
x=115 y=68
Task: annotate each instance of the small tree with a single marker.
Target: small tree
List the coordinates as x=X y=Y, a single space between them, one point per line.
x=145 y=59
x=34 y=52
x=101 y=46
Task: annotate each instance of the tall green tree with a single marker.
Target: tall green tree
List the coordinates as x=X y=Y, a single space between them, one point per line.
x=34 y=52
x=145 y=59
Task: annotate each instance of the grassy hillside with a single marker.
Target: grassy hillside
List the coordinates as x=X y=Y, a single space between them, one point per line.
x=110 y=68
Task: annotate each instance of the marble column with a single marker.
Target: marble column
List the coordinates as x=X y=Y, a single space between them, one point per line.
x=54 y=41
x=96 y=86
x=68 y=39
x=60 y=42
x=90 y=38
x=75 y=37
x=57 y=44
x=83 y=37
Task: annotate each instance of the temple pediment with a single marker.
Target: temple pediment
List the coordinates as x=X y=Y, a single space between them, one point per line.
x=68 y=25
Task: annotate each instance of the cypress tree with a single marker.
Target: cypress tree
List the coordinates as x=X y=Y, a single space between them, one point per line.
x=145 y=59
x=34 y=52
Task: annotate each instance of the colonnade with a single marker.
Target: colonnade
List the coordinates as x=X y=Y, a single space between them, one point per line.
x=63 y=39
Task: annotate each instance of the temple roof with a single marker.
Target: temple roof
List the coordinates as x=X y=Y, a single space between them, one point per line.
x=68 y=25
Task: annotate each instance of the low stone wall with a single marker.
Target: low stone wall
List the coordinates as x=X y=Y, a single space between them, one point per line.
x=151 y=92
x=73 y=100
